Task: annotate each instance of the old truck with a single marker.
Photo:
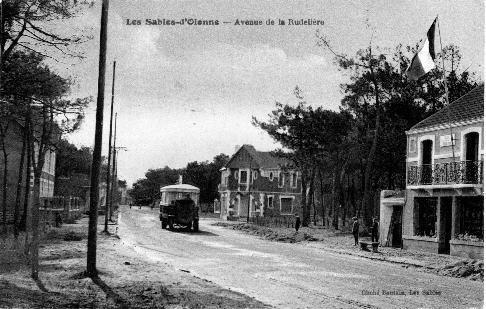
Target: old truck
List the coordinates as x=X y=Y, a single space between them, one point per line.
x=179 y=207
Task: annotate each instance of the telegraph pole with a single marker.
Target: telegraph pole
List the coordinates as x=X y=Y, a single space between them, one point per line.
x=108 y=180
x=113 y=172
x=250 y=178
x=94 y=194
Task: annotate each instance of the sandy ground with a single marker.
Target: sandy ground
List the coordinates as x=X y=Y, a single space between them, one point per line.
x=293 y=275
x=126 y=280
x=143 y=266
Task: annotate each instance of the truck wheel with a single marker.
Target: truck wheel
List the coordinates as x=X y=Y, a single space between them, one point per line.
x=171 y=224
x=188 y=227
x=195 y=225
x=164 y=223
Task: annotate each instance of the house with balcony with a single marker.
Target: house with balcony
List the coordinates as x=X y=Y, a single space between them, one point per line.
x=444 y=206
x=260 y=183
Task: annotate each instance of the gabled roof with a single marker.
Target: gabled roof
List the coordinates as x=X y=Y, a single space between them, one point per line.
x=263 y=159
x=468 y=107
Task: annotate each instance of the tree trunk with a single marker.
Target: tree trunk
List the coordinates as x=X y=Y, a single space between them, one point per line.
x=314 y=207
x=342 y=203
x=321 y=186
x=304 y=196
x=35 y=225
x=4 y=188
x=310 y=199
x=23 y=220
x=335 y=198
x=19 y=185
x=365 y=205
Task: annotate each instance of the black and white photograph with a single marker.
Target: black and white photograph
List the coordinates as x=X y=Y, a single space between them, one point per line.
x=242 y=154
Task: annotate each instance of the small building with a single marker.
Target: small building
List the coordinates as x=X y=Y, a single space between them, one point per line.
x=391 y=208
x=260 y=183
x=444 y=206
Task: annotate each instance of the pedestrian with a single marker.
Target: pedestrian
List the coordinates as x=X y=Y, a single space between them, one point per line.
x=355 y=230
x=374 y=230
x=130 y=205
x=297 y=222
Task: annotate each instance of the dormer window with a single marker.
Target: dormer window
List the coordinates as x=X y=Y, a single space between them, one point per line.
x=243 y=176
x=281 y=180
x=293 y=180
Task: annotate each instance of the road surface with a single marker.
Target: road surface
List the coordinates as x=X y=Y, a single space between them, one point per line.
x=287 y=275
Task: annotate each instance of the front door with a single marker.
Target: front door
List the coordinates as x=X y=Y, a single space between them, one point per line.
x=396 y=226
x=445 y=224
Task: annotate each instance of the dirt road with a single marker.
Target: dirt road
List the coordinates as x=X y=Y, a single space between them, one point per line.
x=291 y=275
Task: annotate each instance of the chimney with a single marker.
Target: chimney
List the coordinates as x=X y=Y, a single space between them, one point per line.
x=180 y=180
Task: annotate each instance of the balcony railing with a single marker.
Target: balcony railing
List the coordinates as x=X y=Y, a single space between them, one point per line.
x=460 y=172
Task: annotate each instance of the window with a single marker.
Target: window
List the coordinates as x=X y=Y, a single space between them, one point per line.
x=243 y=176
x=293 y=180
x=270 y=201
x=285 y=205
x=281 y=180
x=270 y=176
x=236 y=174
x=471 y=216
x=412 y=146
x=425 y=209
x=255 y=175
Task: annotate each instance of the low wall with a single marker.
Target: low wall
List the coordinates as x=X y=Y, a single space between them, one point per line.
x=427 y=244
x=468 y=249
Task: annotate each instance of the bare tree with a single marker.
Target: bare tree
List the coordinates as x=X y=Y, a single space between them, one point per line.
x=27 y=23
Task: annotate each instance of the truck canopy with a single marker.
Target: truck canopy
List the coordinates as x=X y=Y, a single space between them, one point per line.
x=177 y=192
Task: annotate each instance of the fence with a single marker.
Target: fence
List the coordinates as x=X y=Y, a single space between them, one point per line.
x=277 y=221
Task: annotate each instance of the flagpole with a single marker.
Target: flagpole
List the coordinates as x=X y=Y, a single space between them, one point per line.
x=446 y=91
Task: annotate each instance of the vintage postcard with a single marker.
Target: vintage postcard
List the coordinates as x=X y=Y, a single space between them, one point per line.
x=241 y=154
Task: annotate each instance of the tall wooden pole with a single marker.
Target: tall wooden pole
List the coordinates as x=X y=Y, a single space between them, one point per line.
x=444 y=79
x=108 y=180
x=114 y=170
x=91 y=270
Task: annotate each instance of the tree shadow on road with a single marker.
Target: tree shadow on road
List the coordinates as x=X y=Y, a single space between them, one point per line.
x=119 y=301
x=41 y=285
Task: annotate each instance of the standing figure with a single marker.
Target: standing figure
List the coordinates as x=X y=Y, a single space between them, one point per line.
x=355 y=230
x=374 y=230
x=297 y=222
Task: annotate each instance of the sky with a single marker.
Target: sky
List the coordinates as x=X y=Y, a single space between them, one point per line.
x=188 y=92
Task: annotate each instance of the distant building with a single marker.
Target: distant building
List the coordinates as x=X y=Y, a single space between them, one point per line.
x=13 y=148
x=258 y=182
x=444 y=203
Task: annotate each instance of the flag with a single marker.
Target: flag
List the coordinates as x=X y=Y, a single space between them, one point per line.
x=423 y=61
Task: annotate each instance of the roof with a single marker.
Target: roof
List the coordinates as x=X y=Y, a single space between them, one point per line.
x=181 y=188
x=468 y=107
x=264 y=159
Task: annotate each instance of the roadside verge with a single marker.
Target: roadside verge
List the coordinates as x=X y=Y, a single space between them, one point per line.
x=342 y=243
